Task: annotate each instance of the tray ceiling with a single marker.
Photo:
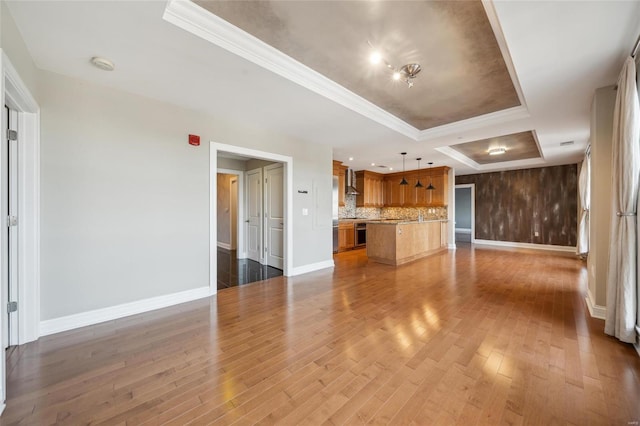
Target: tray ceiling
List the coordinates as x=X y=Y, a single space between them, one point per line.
x=463 y=72
x=519 y=146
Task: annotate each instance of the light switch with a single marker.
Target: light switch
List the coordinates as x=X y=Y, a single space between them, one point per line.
x=305 y=212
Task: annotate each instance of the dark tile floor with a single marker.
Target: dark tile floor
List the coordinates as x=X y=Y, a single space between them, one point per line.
x=233 y=272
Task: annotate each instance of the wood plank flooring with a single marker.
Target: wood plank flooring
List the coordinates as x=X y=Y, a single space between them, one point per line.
x=473 y=336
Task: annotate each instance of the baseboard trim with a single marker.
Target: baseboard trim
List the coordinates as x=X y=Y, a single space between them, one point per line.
x=463 y=231
x=596 y=311
x=96 y=316
x=305 y=269
x=451 y=246
x=224 y=245
x=637 y=346
x=568 y=249
x=2 y=407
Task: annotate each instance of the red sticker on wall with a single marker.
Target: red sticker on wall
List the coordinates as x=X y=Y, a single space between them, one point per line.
x=194 y=140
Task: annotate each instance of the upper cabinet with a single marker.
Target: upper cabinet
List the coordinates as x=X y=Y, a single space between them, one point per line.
x=340 y=171
x=396 y=195
x=384 y=190
x=370 y=185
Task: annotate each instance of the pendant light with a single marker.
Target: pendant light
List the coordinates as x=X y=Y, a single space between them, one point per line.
x=430 y=187
x=418 y=184
x=403 y=181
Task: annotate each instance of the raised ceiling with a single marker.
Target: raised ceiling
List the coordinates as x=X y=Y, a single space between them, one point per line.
x=463 y=72
x=519 y=146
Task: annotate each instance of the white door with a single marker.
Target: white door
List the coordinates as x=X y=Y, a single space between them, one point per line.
x=10 y=210
x=234 y=213
x=274 y=215
x=254 y=214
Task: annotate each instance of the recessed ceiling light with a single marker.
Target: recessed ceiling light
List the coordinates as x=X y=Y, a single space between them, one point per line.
x=103 y=63
x=375 y=57
x=497 y=151
x=390 y=168
x=350 y=158
x=373 y=164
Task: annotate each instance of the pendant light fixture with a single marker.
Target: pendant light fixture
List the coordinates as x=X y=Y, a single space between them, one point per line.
x=418 y=184
x=403 y=181
x=430 y=187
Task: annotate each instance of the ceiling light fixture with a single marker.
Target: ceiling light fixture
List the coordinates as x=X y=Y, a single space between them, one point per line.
x=350 y=158
x=405 y=73
x=418 y=184
x=403 y=181
x=430 y=187
x=373 y=164
x=103 y=63
x=497 y=151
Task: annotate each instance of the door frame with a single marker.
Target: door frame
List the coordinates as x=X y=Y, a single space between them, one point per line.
x=473 y=209
x=17 y=96
x=287 y=163
x=241 y=250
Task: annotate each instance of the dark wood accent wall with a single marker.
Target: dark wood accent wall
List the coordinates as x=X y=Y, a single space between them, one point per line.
x=514 y=205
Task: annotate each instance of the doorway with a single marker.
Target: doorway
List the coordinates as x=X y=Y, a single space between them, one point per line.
x=262 y=253
x=465 y=213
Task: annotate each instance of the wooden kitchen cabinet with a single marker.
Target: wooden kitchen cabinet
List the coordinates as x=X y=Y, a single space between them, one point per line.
x=346 y=236
x=396 y=195
x=370 y=185
x=340 y=171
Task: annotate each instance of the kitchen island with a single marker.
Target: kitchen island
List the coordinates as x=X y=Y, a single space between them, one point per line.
x=396 y=242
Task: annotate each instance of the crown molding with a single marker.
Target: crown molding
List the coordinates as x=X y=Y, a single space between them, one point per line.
x=458 y=156
x=474 y=123
x=198 y=21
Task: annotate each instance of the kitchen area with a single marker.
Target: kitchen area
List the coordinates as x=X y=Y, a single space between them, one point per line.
x=396 y=217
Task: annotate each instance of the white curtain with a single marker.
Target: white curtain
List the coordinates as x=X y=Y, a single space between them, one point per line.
x=622 y=283
x=582 y=248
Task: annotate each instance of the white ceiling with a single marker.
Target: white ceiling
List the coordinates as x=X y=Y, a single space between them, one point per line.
x=561 y=52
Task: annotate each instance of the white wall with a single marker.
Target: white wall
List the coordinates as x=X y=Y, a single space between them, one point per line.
x=125 y=199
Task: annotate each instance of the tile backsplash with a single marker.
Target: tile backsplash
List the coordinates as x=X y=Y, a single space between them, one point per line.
x=349 y=210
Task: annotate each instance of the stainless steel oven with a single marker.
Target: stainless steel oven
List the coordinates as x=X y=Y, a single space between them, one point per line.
x=360 y=229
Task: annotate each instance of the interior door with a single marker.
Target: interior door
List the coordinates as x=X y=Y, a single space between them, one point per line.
x=254 y=215
x=274 y=215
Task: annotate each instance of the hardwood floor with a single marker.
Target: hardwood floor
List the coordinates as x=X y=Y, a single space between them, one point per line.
x=473 y=336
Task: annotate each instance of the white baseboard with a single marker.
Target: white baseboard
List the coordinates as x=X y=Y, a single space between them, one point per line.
x=96 y=316
x=2 y=407
x=525 y=245
x=451 y=246
x=305 y=269
x=596 y=311
x=224 y=245
x=637 y=346
x=463 y=230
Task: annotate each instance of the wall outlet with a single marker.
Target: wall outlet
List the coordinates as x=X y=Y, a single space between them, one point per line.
x=305 y=212
x=536 y=234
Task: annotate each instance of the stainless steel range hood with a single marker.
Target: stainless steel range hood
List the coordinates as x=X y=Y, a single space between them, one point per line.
x=351 y=180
